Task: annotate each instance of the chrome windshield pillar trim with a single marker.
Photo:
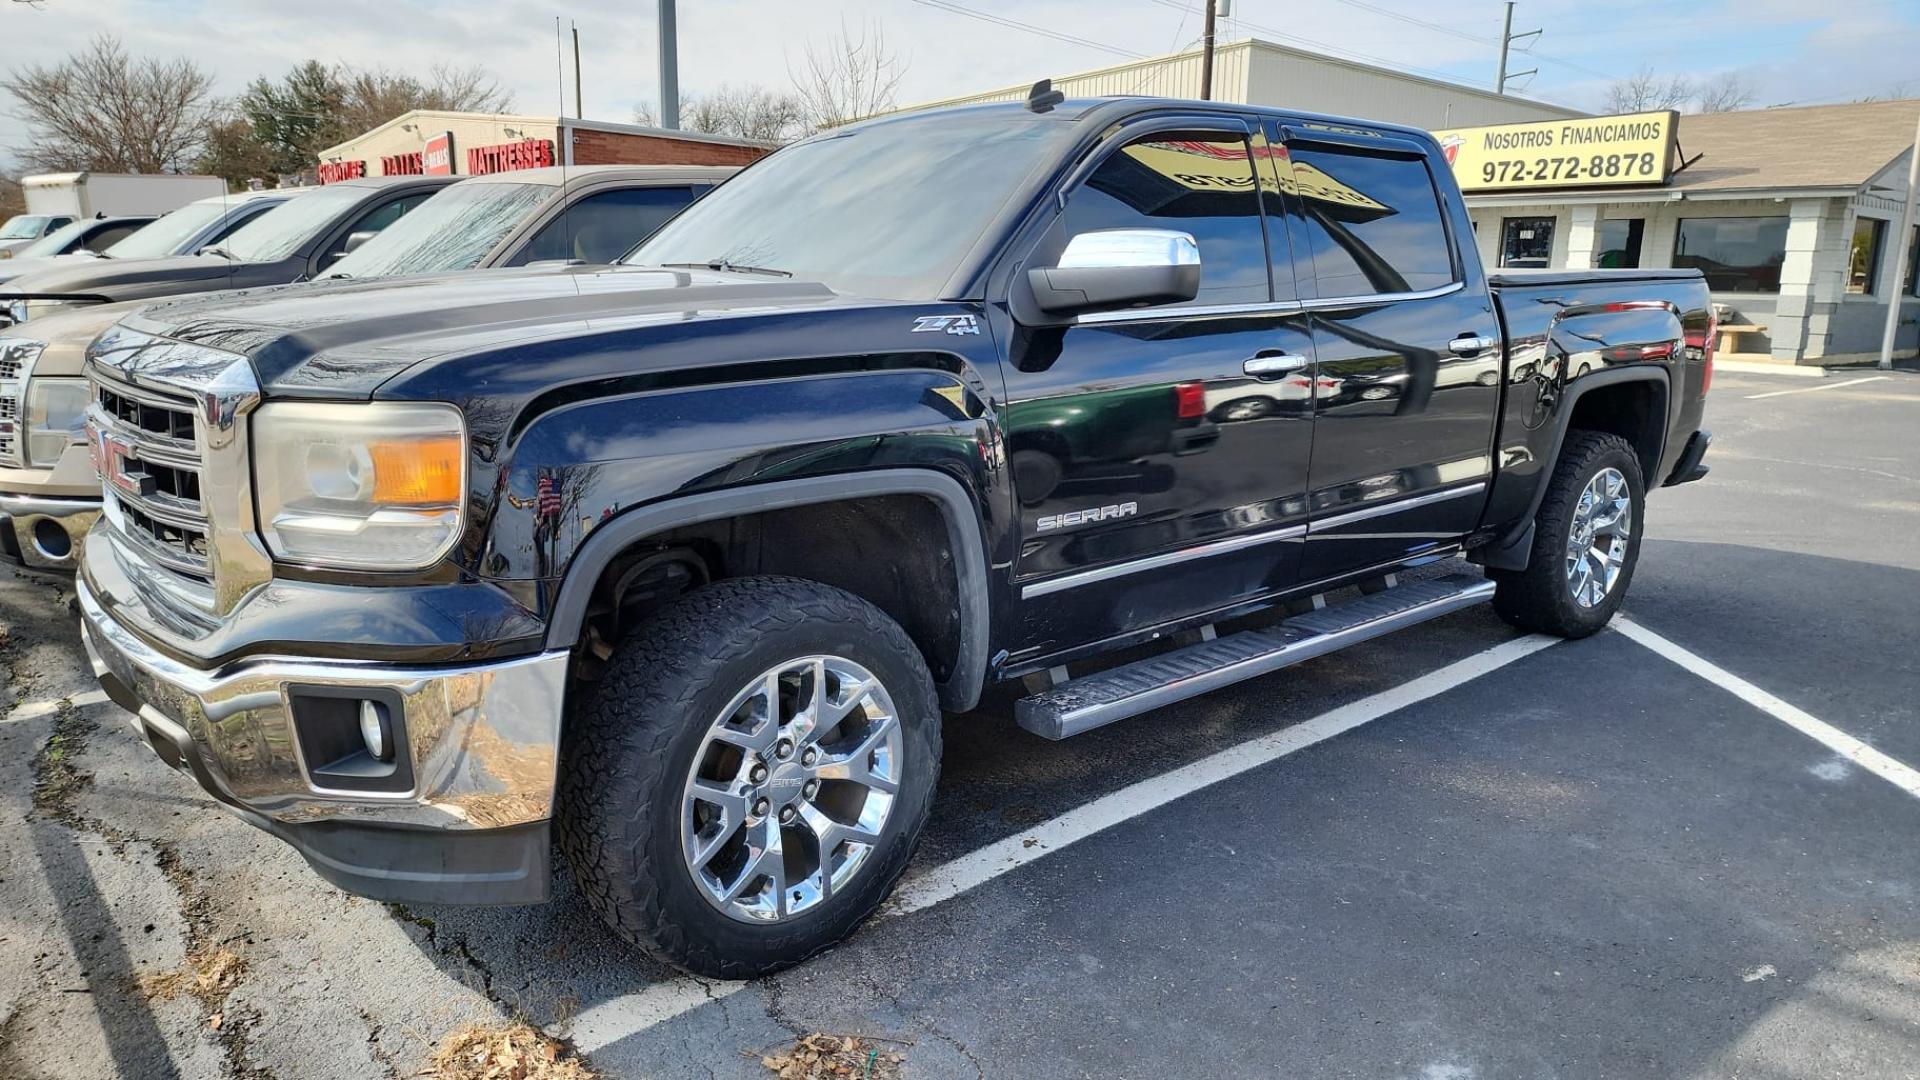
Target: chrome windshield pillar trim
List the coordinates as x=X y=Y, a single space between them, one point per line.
x=484 y=739
x=1154 y=562
x=1394 y=507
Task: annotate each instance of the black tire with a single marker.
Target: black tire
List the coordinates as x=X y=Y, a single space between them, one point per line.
x=630 y=747
x=1538 y=598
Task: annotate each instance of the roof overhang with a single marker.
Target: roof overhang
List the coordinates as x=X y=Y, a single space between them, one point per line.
x=1589 y=197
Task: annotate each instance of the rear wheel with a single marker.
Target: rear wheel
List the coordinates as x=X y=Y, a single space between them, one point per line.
x=1586 y=540
x=751 y=775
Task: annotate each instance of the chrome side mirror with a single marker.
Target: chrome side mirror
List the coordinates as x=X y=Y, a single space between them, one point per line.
x=1119 y=268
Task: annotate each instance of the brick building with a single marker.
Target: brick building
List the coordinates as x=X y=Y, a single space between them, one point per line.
x=472 y=144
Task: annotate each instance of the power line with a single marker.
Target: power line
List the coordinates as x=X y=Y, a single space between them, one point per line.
x=1333 y=50
x=1465 y=36
x=1014 y=24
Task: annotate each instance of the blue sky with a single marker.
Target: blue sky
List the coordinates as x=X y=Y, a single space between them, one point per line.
x=1792 y=50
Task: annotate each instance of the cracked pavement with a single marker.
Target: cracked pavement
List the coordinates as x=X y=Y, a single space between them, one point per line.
x=1589 y=863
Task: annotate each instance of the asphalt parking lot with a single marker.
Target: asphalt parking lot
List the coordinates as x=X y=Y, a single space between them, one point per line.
x=1684 y=847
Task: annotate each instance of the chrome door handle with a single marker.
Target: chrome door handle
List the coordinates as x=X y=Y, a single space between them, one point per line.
x=1268 y=365
x=1469 y=345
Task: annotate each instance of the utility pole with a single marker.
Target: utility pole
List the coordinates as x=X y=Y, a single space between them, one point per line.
x=1206 y=56
x=669 y=68
x=1507 y=38
x=578 y=109
x=1901 y=254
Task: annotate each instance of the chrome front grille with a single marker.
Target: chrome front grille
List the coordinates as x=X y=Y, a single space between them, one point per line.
x=151 y=464
x=16 y=360
x=168 y=424
x=9 y=421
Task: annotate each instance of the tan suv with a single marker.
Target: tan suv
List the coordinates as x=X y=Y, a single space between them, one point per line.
x=49 y=492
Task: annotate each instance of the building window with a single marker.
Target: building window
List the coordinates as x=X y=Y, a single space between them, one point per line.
x=1863 y=256
x=1526 y=243
x=1913 y=264
x=1619 y=247
x=1737 y=254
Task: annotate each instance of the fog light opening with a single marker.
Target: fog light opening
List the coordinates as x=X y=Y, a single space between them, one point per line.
x=51 y=539
x=374 y=731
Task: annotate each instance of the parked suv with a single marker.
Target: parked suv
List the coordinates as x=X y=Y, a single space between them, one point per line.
x=678 y=563
x=49 y=494
x=179 y=232
x=88 y=235
x=292 y=242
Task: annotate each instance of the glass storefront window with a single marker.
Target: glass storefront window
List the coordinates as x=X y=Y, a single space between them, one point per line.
x=1737 y=254
x=1863 y=256
x=1619 y=243
x=1526 y=243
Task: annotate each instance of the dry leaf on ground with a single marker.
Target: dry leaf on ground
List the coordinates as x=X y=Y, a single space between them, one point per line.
x=504 y=1052
x=820 y=1056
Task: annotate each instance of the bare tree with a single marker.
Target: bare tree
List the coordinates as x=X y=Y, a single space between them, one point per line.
x=372 y=96
x=848 y=78
x=1725 y=92
x=98 y=109
x=1643 y=91
x=748 y=112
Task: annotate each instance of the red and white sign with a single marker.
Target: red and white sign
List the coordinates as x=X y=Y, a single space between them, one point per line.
x=332 y=172
x=437 y=157
x=409 y=164
x=506 y=157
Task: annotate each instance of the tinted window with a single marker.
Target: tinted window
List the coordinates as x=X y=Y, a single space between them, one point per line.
x=886 y=209
x=1863 y=258
x=58 y=242
x=1737 y=254
x=382 y=216
x=1373 y=223
x=1619 y=247
x=601 y=228
x=454 y=230
x=109 y=236
x=1200 y=186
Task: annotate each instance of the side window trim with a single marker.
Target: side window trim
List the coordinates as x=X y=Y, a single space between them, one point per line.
x=1126 y=134
x=1359 y=144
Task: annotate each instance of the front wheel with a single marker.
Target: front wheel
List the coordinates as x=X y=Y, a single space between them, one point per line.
x=751 y=775
x=1586 y=540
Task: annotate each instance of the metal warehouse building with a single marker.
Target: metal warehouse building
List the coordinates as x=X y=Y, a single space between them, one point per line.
x=1256 y=72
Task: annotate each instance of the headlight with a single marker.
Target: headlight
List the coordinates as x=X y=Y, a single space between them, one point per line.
x=56 y=419
x=16 y=311
x=376 y=486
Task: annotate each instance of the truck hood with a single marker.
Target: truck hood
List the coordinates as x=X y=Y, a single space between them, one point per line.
x=345 y=338
x=14 y=268
x=124 y=279
x=67 y=334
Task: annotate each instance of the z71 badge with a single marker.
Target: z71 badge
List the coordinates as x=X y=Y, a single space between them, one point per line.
x=952 y=324
x=1087 y=517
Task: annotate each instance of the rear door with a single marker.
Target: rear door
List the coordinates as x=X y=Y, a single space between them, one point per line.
x=1159 y=454
x=1407 y=352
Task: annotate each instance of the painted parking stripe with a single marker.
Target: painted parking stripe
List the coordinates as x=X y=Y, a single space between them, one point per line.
x=1894 y=772
x=617 y=1018
x=36 y=709
x=1816 y=389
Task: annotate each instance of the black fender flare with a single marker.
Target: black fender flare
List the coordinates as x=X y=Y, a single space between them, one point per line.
x=959 y=693
x=1513 y=550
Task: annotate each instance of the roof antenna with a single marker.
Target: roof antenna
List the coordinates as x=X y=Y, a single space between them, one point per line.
x=1043 y=97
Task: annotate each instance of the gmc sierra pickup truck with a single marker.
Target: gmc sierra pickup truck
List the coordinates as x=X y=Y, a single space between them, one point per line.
x=679 y=562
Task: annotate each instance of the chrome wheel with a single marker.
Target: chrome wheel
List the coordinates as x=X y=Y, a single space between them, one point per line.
x=791 y=788
x=1598 y=539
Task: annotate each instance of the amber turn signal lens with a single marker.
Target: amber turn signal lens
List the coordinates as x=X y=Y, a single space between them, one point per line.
x=416 y=472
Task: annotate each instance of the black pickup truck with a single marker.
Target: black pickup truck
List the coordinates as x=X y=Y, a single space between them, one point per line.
x=679 y=562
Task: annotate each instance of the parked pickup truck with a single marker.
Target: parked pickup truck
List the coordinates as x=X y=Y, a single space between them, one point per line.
x=49 y=492
x=679 y=562
x=178 y=232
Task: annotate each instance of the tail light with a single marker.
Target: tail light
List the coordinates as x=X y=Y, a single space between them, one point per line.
x=1189 y=400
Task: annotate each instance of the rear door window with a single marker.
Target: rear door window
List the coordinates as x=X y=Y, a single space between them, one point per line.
x=600 y=228
x=1373 y=222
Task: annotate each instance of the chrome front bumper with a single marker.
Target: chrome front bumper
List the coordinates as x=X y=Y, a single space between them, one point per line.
x=44 y=533
x=483 y=744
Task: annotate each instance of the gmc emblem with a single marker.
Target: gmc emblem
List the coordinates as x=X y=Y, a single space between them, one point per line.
x=111 y=460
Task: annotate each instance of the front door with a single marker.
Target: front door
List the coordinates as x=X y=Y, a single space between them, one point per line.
x=1408 y=362
x=1159 y=454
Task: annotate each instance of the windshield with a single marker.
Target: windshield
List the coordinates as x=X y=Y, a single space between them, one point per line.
x=280 y=231
x=453 y=230
x=23 y=226
x=167 y=235
x=887 y=211
x=56 y=241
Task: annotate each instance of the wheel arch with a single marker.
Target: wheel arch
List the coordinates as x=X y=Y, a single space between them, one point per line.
x=959 y=691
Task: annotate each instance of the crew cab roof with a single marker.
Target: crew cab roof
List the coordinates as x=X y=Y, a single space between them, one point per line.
x=1107 y=110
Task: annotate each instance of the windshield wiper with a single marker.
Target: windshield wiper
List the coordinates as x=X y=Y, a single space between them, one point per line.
x=729 y=267
x=220 y=251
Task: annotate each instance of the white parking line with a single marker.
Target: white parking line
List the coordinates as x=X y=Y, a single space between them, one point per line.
x=1897 y=773
x=35 y=709
x=1743 y=367
x=615 y=1019
x=1816 y=389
